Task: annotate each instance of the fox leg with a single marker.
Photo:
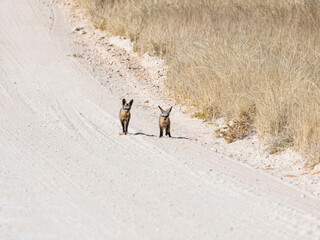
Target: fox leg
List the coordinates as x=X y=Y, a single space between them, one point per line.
x=122 y=124
x=168 y=131
x=126 y=123
x=161 y=132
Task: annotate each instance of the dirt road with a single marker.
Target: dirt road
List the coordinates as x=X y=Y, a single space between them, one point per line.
x=66 y=173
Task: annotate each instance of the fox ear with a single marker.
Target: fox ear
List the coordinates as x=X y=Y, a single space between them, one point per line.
x=131 y=102
x=161 y=109
x=123 y=101
x=169 y=110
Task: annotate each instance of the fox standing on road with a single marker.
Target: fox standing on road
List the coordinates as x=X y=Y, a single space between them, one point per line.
x=125 y=115
x=164 y=121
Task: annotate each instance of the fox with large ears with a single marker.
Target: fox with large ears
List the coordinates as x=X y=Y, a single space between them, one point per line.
x=125 y=115
x=164 y=121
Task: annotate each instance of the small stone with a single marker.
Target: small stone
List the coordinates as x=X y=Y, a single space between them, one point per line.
x=78 y=29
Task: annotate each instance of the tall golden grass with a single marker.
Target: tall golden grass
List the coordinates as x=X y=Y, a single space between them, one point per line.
x=233 y=57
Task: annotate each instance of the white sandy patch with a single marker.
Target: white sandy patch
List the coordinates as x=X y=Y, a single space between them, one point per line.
x=121 y=42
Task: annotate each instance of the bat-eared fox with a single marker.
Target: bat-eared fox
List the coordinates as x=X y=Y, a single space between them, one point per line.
x=125 y=115
x=164 y=121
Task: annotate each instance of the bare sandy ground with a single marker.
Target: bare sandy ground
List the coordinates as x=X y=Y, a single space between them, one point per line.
x=66 y=173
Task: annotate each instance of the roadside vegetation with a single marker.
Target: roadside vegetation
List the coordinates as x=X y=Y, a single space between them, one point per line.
x=256 y=62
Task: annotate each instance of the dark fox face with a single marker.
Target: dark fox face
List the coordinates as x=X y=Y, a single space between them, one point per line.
x=165 y=113
x=127 y=106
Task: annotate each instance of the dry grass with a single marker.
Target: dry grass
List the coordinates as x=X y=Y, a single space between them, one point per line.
x=229 y=56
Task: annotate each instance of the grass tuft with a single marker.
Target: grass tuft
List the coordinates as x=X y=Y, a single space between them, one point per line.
x=237 y=129
x=279 y=144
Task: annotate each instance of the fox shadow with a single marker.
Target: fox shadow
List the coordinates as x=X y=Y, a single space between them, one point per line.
x=144 y=134
x=185 y=138
x=152 y=135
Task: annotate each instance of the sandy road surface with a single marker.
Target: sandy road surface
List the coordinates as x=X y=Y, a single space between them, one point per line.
x=65 y=173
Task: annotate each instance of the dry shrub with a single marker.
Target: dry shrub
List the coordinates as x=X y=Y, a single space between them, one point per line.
x=225 y=56
x=279 y=143
x=237 y=129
